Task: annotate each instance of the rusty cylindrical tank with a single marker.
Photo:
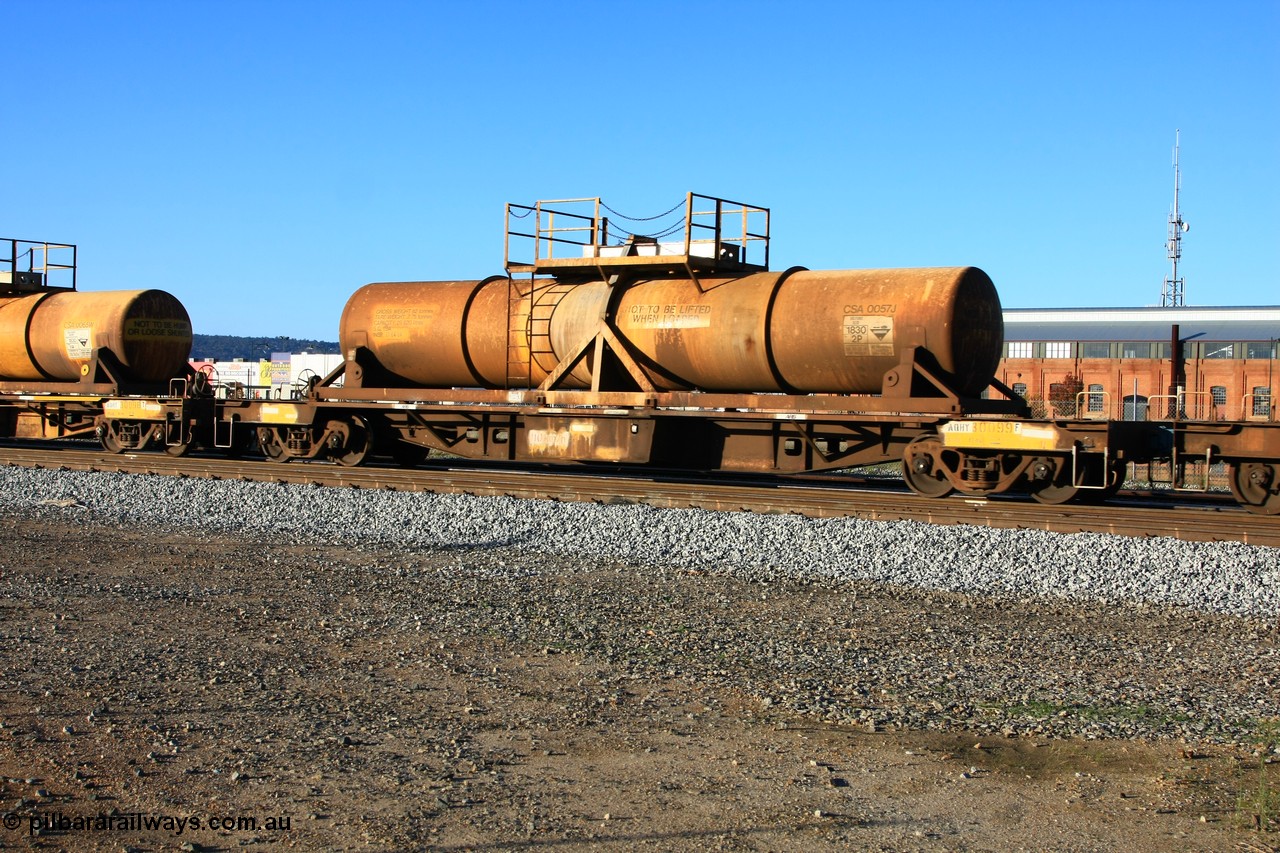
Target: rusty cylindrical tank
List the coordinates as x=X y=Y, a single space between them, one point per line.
x=434 y=333
x=803 y=331
x=53 y=335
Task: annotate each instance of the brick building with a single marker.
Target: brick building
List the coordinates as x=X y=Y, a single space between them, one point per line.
x=1116 y=362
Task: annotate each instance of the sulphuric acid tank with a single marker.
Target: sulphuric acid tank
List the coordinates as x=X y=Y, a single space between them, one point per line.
x=53 y=335
x=800 y=331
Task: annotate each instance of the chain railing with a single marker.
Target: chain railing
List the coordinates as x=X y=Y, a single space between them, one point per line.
x=557 y=232
x=33 y=265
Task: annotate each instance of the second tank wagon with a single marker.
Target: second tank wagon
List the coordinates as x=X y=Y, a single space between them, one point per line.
x=797 y=332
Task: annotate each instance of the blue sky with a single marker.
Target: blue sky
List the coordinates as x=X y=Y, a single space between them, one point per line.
x=263 y=160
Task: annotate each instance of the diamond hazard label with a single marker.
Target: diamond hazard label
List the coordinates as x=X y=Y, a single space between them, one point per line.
x=867 y=335
x=78 y=341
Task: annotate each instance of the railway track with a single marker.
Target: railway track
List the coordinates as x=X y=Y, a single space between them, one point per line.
x=818 y=497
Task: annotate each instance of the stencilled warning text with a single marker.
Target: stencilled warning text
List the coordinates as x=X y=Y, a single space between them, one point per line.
x=401 y=323
x=670 y=316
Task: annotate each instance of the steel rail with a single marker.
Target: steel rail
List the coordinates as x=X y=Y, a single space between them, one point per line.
x=816 y=498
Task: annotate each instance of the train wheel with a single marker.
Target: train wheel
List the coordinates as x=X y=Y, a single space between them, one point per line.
x=1055 y=493
x=358 y=446
x=178 y=449
x=923 y=470
x=1061 y=490
x=1053 y=483
x=160 y=435
x=1115 y=480
x=1256 y=485
x=271 y=445
x=109 y=437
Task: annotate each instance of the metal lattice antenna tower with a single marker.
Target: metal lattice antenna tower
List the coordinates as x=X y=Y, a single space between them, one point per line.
x=1172 y=293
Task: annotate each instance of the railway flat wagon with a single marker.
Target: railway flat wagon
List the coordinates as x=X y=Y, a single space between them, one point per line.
x=107 y=364
x=600 y=345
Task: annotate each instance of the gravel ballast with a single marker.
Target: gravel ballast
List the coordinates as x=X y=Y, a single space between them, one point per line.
x=1229 y=578
x=876 y=624
x=399 y=670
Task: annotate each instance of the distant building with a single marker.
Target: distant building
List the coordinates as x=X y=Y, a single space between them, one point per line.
x=261 y=379
x=1117 y=362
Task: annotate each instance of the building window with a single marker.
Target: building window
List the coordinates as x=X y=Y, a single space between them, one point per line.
x=1096 y=398
x=1219 y=395
x=1135 y=408
x=1260 y=349
x=1057 y=349
x=1219 y=350
x=1019 y=349
x=1095 y=350
x=1159 y=350
x=1261 y=401
x=1020 y=388
x=1135 y=349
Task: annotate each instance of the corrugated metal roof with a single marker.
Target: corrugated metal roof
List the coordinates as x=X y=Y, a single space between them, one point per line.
x=1261 y=323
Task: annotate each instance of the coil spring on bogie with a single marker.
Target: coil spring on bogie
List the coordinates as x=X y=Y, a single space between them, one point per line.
x=298 y=440
x=985 y=471
x=131 y=434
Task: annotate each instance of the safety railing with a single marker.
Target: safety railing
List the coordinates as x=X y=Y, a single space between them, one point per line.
x=1201 y=406
x=1182 y=405
x=574 y=229
x=35 y=265
x=1093 y=405
x=1257 y=407
x=712 y=232
x=732 y=225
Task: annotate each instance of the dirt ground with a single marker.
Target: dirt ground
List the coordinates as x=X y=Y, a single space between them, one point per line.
x=155 y=684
